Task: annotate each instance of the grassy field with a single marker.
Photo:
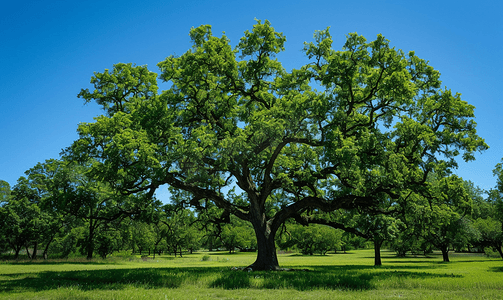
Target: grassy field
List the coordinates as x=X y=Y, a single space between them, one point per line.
x=218 y=276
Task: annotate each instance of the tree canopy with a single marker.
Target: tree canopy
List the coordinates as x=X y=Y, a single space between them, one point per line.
x=349 y=129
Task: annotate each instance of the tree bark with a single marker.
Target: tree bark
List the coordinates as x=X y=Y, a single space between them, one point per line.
x=27 y=252
x=46 y=250
x=377 y=252
x=35 y=249
x=16 y=252
x=267 y=258
x=90 y=240
x=445 y=253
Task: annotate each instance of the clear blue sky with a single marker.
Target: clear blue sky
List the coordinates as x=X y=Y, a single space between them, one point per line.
x=50 y=49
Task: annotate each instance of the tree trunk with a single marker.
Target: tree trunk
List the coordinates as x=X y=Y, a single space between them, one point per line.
x=266 y=254
x=445 y=253
x=27 y=252
x=90 y=240
x=90 y=250
x=35 y=249
x=377 y=252
x=46 y=250
x=16 y=252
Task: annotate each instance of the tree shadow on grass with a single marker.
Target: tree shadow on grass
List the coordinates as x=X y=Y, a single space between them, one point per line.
x=330 y=277
x=104 y=279
x=496 y=269
x=317 y=277
x=94 y=261
x=62 y=262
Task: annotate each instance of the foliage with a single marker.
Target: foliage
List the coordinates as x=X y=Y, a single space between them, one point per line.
x=4 y=192
x=312 y=239
x=19 y=220
x=143 y=237
x=439 y=214
x=66 y=244
x=488 y=218
x=107 y=241
x=238 y=234
x=69 y=190
x=347 y=130
x=180 y=232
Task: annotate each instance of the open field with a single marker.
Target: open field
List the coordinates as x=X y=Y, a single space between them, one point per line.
x=335 y=276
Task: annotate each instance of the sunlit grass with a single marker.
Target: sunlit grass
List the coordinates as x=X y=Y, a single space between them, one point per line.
x=343 y=276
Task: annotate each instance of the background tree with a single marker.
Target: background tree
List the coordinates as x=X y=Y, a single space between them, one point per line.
x=38 y=187
x=497 y=194
x=108 y=239
x=4 y=198
x=237 y=234
x=160 y=230
x=490 y=216
x=27 y=212
x=491 y=234
x=67 y=240
x=345 y=130
x=75 y=192
x=4 y=192
x=143 y=237
x=19 y=223
x=443 y=212
x=314 y=238
x=181 y=232
x=376 y=226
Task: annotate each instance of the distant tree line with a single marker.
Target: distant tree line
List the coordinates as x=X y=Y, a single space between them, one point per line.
x=56 y=211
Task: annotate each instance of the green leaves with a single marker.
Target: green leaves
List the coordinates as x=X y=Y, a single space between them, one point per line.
x=4 y=191
x=114 y=90
x=262 y=41
x=352 y=128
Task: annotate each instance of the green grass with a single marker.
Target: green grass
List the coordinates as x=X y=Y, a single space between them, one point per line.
x=218 y=276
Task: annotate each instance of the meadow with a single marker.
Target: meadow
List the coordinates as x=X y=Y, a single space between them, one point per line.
x=220 y=275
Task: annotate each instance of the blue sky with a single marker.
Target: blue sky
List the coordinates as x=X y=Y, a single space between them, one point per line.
x=50 y=49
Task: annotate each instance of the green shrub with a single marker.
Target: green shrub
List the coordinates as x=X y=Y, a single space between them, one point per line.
x=489 y=251
x=205 y=258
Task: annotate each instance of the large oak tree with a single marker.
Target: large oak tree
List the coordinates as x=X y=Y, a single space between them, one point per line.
x=348 y=129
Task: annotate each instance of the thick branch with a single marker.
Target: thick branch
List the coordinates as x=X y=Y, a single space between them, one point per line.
x=343 y=202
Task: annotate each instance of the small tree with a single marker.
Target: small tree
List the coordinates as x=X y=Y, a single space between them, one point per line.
x=442 y=213
x=143 y=236
x=316 y=239
x=19 y=218
x=107 y=241
x=490 y=234
x=237 y=234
